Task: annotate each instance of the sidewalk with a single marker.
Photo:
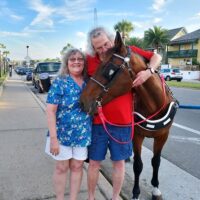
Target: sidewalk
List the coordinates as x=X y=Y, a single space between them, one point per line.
x=25 y=170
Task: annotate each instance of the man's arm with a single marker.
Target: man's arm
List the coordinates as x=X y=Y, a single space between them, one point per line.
x=142 y=76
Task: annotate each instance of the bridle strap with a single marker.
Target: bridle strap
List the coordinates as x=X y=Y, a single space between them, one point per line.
x=125 y=64
x=126 y=61
x=104 y=87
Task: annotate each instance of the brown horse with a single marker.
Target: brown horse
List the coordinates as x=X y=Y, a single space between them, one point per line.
x=113 y=78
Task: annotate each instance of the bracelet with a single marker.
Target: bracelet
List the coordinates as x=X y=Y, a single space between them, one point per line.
x=151 y=70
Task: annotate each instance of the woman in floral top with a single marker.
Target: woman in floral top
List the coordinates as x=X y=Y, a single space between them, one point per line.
x=69 y=127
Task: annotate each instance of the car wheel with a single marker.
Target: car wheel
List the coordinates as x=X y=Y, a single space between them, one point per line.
x=179 y=80
x=168 y=78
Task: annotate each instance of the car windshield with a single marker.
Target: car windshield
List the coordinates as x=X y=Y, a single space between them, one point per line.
x=49 y=67
x=176 y=70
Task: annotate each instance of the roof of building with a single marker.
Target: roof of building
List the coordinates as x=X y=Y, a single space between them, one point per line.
x=188 y=38
x=173 y=32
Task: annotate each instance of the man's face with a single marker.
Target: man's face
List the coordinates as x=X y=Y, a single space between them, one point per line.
x=101 y=44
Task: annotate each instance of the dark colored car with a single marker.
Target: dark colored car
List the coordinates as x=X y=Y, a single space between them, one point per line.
x=43 y=74
x=172 y=74
x=21 y=70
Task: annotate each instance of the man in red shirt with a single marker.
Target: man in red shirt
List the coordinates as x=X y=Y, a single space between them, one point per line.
x=118 y=111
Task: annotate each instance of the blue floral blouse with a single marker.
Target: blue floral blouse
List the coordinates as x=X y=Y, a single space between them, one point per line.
x=72 y=124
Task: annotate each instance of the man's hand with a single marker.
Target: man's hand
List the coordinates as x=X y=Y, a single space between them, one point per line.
x=141 y=77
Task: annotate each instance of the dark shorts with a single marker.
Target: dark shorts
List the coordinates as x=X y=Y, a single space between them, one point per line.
x=101 y=141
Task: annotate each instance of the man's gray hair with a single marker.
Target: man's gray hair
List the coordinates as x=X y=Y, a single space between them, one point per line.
x=95 y=32
x=64 y=70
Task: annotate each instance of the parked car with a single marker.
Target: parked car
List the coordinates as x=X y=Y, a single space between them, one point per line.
x=172 y=74
x=17 y=69
x=21 y=70
x=42 y=71
x=29 y=73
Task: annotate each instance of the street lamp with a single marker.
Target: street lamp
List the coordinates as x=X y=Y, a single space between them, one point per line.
x=27 y=57
x=27 y=50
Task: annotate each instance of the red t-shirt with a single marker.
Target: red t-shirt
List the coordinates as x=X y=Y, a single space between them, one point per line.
x=119 y=110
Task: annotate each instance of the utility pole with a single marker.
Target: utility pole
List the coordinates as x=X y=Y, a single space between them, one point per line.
x=95 y=18
x=27 y=58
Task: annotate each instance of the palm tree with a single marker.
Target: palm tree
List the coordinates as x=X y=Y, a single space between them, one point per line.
x=2 y=46
x=124 y=27
x=65 y=48
x=6 y=62
x=156 y=37
x=136 y=41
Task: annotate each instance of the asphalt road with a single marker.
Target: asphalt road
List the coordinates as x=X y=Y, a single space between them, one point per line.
x=183 y=145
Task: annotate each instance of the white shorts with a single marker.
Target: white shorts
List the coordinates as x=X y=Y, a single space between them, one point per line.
x=66 y=153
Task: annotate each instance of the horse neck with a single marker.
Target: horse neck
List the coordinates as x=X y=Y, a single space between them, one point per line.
x=151 y=97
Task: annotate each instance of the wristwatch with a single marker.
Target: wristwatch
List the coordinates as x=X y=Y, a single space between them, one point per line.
x=151 y=70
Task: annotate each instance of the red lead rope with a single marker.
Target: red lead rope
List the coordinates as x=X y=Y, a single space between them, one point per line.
x=104 y=120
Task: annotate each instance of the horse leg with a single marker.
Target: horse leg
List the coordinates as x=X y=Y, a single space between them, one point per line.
x=137 y=165
x=158 y=145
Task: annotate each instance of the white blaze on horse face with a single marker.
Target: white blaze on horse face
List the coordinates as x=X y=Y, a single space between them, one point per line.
x=111 y=72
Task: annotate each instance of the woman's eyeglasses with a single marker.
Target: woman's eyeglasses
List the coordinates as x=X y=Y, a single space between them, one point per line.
x=76 y=59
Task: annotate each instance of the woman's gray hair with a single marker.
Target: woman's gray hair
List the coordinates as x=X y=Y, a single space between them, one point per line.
x=95 y=32
x=64 y=70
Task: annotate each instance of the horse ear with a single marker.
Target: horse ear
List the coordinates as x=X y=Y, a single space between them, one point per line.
x=118 y=41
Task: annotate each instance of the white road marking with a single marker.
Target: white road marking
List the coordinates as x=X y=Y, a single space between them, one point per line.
x=186 y=128
x=186 y=139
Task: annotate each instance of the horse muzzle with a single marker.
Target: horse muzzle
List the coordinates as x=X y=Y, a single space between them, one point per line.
x=89 y=107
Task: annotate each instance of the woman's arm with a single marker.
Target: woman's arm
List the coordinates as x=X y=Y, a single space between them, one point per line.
x=51 y=121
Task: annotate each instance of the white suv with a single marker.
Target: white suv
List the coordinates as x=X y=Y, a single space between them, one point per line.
x=172 y=74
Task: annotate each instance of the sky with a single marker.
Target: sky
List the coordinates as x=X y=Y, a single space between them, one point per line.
x=46 y=26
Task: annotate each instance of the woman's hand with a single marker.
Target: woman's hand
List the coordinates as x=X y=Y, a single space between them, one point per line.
x=54 y=146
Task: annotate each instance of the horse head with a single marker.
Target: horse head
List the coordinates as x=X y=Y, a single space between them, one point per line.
x=114 y=76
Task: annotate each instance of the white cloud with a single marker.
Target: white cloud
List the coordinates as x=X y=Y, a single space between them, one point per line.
x=197 y=16
x=114 y=13
x=19 y=34
x=81 y=34
x=194 y=18
x=7 y=12
x=158 y=4
x=71 y=10
x=157 y=20
x=76 y=10
x=137 y=24
x=193 y=27
x=16 y=17
x=44 y=13
x=29 y=29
